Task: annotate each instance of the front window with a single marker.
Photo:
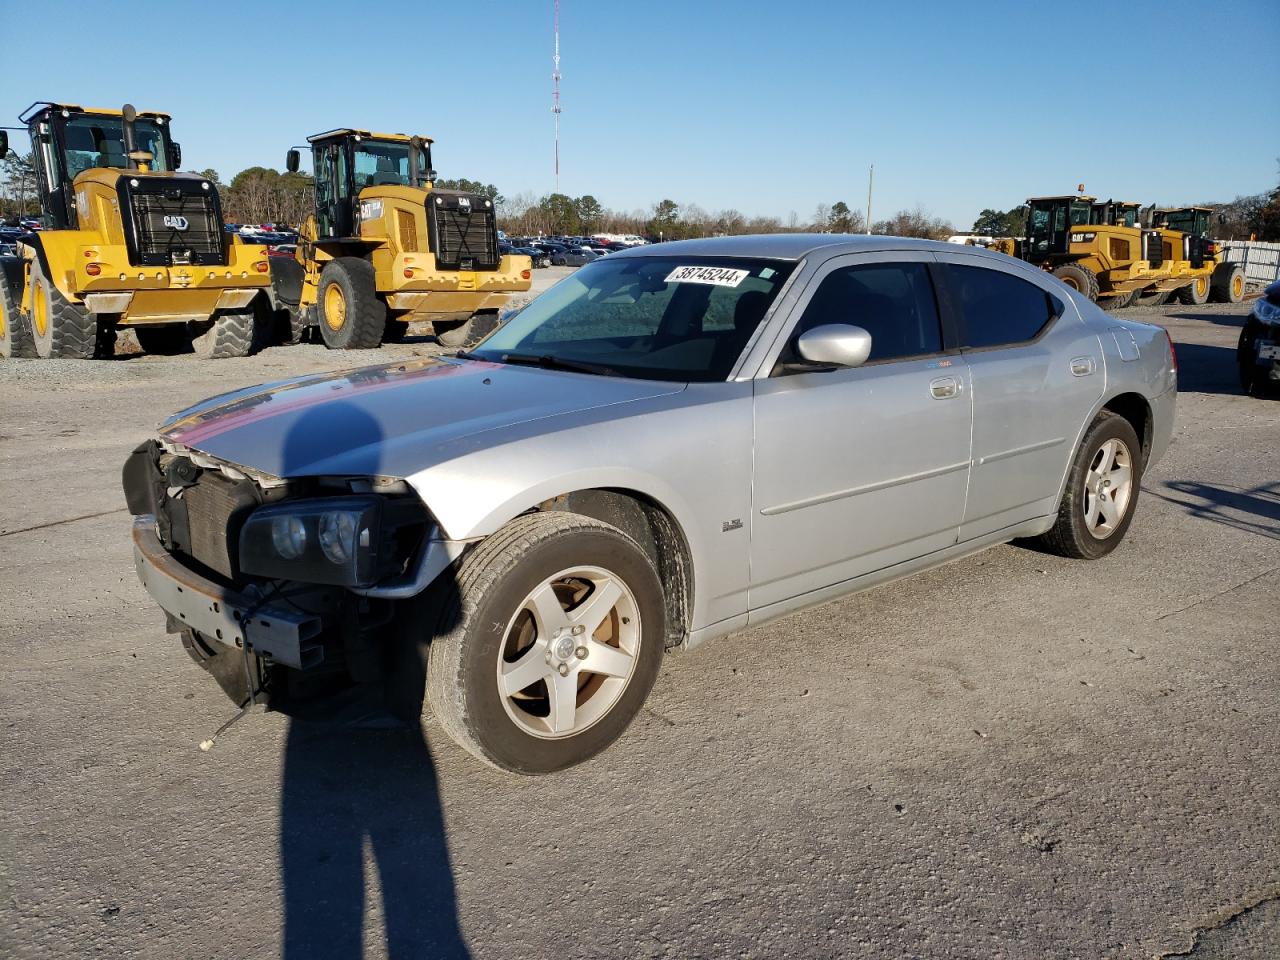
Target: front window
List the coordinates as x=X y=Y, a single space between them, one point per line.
x=652 y=318
x=381 y=164
x=95 y=141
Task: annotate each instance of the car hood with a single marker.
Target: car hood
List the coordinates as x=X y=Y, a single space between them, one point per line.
x=389 y=420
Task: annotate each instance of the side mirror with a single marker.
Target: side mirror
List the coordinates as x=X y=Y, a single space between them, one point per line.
x=175 y=155
x=835 y=344
x=291 y=161
x=1222 y=217
x=4 y=144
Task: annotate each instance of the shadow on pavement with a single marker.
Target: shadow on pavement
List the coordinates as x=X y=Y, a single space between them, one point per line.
x=1260 y=505
x=1207 y=369
x=1221 y=319
x=347 y=791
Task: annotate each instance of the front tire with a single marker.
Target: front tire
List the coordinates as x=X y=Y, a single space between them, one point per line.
x=351 y=315
x=1195 y=293
x=1080 y=279
x=470 y=331
x=15 y=331
x=1227 y=285
x=233 y=333
x=546 y=643
x=1102 y=491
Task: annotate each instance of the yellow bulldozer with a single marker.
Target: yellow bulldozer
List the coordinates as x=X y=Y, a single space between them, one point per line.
x=385 y=248
x=127 y=241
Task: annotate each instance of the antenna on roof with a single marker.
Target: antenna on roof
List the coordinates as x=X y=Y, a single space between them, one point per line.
x=555 y=96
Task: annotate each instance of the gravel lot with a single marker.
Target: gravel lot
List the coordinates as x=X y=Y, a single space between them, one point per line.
x=1013 y=756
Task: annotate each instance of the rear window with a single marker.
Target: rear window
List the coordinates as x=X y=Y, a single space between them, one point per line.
x=998 y=309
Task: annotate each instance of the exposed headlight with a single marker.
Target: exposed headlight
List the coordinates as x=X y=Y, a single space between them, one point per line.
x=1266 y=311
x=326 y=540
x=289 y=536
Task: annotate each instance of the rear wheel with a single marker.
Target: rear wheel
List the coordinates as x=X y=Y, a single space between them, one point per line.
x=547 y=643
x=1101 y=493
x=1227 y=285
x=1157 y=299
x=469 y=332
x=1119 y=301
x=351 y=315
x=15 y=331
x=1080 y=279
x=1196 y=292
x=164 y=340
x=63 y=330
x=232 y=333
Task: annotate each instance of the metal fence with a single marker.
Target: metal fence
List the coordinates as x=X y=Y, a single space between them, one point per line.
x=1261 y=261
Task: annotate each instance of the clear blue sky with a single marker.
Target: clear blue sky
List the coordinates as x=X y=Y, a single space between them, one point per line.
x=766 y=107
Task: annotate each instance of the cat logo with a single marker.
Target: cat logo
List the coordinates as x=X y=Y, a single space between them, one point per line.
x=175 y=222
x=464 y=204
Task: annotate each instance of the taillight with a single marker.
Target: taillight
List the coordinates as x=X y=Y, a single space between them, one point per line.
x=525 y=274
x=408 y=273
x=261 y=266
x=93 y=269
x=1173 y=354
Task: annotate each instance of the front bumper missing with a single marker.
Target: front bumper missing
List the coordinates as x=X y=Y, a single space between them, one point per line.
x=285 y=635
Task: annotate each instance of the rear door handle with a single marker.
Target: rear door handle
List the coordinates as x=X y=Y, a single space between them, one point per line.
x=944 y=388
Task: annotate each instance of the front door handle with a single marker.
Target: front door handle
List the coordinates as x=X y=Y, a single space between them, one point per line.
x=944 y=388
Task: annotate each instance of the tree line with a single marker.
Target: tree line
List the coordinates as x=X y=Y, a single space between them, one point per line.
x=264 y=195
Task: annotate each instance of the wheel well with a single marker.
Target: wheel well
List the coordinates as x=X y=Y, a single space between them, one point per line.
x=1134 y=408
x=653 y=527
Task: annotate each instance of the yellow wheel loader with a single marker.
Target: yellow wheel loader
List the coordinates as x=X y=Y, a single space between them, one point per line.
x=1095 y=247
x=127 y=241
x=1197 y=272
x=385 y=248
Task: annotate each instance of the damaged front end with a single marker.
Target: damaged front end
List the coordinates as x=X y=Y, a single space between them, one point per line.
x=284 y=589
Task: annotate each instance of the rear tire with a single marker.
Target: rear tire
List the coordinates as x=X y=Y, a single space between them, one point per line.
x=1093 y=517
x=1154 y=299
x=1195 y=293
x=1080 y=279
x=469 y=332
x=63 y=330
x=164 y=340
x=15 y=330
x=352 y=317
x=1227 y=285
x=232 y=333
x=1118 y=302
x=488 y=637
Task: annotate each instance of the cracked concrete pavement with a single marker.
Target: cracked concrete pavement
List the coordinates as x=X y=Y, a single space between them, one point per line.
x=1015 y=755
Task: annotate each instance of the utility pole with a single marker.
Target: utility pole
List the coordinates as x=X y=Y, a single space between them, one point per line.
x=871 y=178
x=555 y=96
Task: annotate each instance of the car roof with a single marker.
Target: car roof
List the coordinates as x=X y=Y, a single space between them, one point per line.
x=785 y=246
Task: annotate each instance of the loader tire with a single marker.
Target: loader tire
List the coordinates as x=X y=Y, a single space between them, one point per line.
x=352 y=317
x=1157 y=299
x=63 y=330
x=233 y=333
x=470 y=331
x=1195 y=293
x=1118 y=302
x=1080 y=279
x=15 y=330
x=1227 y=284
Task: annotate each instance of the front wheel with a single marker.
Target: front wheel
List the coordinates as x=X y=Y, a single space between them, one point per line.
x=547 y=642
x=469 y=332
x=1195 y=293
x=351 y=315
x=233 y=333
x=1102 y=491
x=1227 y=285
x=1079 y=278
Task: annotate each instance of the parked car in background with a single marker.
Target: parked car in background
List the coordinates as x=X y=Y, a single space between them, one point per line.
x=540 y=258
x=8 y=249
x=282 y=250
x=573 y=257
x=661 y=449
x=1258 y=352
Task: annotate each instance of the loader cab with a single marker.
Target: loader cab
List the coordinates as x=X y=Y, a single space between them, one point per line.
x=1115 y=213
x=345 y=162
x=67 y=140
x=1193 y=224
x=1049 y=223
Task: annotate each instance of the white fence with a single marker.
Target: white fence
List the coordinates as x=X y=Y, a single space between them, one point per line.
x=1261 y=261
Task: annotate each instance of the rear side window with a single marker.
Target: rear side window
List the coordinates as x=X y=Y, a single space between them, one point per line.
x=894 y=302
x=998 y=308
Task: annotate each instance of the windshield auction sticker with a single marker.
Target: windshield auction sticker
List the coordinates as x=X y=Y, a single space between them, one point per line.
x=716 y=276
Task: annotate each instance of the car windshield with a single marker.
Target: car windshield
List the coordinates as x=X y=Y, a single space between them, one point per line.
x=651 y=318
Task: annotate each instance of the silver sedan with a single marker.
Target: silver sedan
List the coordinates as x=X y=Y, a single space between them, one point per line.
x=675 y=443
